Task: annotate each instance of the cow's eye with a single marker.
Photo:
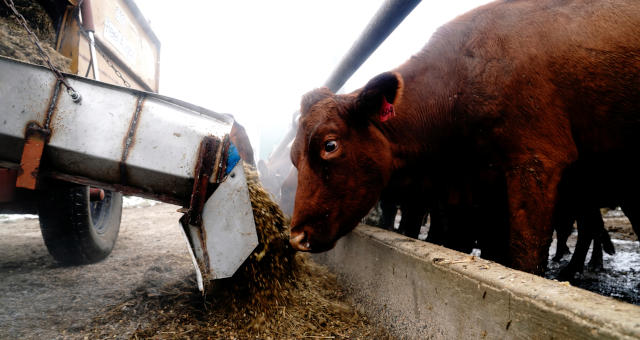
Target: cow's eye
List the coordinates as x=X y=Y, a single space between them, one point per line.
x=330 y=146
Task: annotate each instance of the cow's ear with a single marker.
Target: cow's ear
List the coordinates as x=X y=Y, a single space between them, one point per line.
x=312 y=97
x=377 y=98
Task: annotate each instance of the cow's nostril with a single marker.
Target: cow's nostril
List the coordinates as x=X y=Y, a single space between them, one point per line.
x=299 y=241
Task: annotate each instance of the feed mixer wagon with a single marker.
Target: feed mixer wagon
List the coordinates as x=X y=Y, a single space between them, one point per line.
x=74 y=150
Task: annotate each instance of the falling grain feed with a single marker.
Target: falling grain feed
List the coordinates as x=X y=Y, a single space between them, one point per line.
x=276 y=294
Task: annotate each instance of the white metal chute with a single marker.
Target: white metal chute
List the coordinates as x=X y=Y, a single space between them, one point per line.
x=139 y=143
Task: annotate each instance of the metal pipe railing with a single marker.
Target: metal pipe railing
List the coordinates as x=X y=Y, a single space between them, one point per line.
x=388 y=17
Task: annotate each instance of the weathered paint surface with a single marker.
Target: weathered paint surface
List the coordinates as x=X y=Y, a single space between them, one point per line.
x=36 y=138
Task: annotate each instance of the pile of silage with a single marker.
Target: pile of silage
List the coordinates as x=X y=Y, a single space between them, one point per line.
x=15 y=41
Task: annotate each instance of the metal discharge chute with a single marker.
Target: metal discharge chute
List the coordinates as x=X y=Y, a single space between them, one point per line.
x=135 y=142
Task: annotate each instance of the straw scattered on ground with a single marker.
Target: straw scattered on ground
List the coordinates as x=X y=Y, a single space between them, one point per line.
x=276 y=294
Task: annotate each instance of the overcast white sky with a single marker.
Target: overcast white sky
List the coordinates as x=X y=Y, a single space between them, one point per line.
x=255 y=59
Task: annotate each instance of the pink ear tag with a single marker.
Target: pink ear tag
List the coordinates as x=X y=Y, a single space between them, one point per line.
x=386 y=111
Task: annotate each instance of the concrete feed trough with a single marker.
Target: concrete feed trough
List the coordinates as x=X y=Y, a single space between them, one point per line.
x=420 y=290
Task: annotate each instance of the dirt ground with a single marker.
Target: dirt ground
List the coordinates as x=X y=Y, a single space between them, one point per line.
x=619 y=226
x=148 y=275
x=146 y=288
x=43 y=300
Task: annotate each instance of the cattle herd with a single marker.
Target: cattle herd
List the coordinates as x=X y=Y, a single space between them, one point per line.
x=517 y=118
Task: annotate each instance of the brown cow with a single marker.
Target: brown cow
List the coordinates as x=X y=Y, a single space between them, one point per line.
x=519 y=88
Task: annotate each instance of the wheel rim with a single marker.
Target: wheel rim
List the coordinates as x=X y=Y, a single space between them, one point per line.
x=99 y=210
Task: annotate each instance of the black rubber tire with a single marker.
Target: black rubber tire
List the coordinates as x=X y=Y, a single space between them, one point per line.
x=76 y=230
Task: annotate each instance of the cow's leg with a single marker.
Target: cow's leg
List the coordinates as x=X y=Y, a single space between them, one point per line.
x=565 y=210
x=563 y=225
x=562 y=235
x=490 y=218
x=601 y=234
x=595 y=263
x=437 y=225
x=601 y=241
x=389 y=210
x=586 y=226
x=532 y=189
x=459 y=235
x=493 y=236
x=412 y=216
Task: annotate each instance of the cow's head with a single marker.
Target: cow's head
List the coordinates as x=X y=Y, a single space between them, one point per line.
x=343 y=159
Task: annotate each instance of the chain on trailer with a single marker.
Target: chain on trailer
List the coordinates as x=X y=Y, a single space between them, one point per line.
x=75 y=95
x=106 y=58
x=99 y=49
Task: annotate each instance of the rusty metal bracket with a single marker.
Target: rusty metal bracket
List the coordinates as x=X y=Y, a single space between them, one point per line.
x=35 y=140
x=205 y=181
x=219 y=225
x=221 y=171
x=210 y=150
x=36 y=137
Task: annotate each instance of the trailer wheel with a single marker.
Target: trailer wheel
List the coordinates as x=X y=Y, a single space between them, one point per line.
x=76 y=230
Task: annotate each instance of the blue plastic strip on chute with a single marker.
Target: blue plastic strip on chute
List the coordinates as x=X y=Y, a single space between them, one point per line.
x=232 y=159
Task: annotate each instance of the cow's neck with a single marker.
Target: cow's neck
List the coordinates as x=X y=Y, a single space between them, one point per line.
x=424 y=116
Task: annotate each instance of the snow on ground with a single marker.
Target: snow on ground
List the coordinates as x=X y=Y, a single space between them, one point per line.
x=127 y=202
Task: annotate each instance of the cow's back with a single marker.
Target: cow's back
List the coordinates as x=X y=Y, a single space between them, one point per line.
x=579 y=60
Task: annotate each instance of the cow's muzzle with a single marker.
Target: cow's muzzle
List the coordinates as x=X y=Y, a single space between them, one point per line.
x=300 y=241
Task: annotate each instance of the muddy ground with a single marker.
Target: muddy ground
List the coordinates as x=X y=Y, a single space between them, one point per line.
x=620 y=276
x=146 y=289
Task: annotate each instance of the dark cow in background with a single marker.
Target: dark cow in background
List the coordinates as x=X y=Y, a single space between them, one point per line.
x=585 y=188
x=411 y=206
x=513 y=92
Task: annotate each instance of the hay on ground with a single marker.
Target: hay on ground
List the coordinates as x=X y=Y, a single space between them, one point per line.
x=276 y=294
